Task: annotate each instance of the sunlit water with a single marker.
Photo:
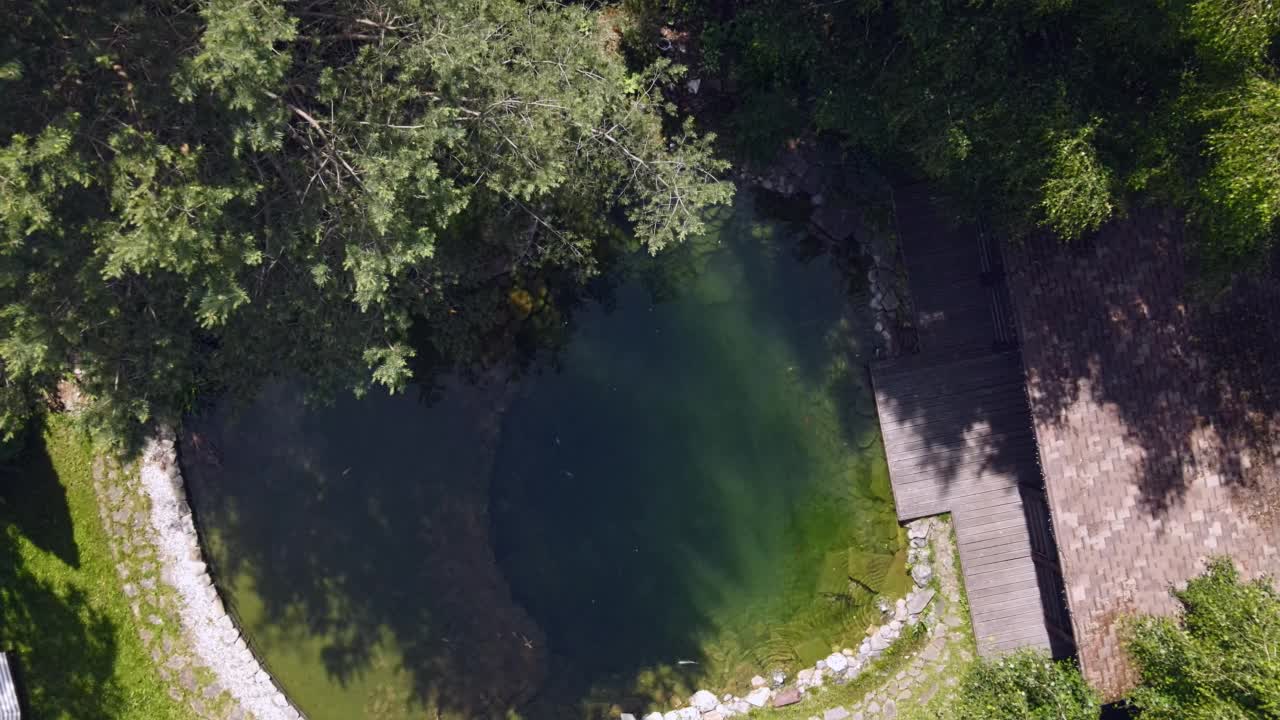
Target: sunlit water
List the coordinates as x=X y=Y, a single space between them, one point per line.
x=691 y=492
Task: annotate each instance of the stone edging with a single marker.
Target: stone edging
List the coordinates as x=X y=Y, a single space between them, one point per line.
x=923 y=677
x=842 y=667
x=211 y=632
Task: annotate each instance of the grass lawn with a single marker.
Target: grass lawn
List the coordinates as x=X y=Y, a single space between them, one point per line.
x=61 y=608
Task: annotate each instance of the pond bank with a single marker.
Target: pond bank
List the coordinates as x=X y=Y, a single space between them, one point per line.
x=195 y=645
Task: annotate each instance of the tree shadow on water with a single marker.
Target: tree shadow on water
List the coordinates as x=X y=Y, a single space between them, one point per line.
x=353 y=541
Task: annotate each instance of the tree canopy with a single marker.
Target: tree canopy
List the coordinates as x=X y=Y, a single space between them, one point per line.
x=1050 y=113
x=198 y=196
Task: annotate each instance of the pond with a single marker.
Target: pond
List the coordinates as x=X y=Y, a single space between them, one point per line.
x=689 y=492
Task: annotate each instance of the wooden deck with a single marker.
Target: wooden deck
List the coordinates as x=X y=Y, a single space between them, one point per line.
x=958 y=435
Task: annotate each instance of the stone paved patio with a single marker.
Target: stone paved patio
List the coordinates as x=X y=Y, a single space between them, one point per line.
x=1158 y=420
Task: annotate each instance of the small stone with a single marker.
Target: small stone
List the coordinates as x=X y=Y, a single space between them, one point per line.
x=890 y=710
x=653 y=716
x=835 y=713
x=874 y=707
x=626 y=716
x=805 y=676
x=758 y=697
x=188 y=679
x=758 y=681
x=837 y=662
x=713 y=715
x=932 y=651
x=740 y=707
x=790 y=696
x=922 y=574
x=847 y=652
x=879 y=642
x=704 y=701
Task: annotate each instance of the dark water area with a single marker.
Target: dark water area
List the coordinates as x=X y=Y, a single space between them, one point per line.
x=690 y=492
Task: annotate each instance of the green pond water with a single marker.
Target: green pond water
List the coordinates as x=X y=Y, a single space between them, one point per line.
x=690 y=492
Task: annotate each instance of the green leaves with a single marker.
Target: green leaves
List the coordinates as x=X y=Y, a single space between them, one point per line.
x=1077 y=192
x=1234 y=32
x=1240 y=197
x=252 y=188
x=1220 y=660
x=241 y=57
x=1026 y=685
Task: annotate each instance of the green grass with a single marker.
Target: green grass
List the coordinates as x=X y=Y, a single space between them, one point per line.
x=61 y=608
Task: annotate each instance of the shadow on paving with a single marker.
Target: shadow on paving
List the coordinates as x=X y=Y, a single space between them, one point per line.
x=66 y=650
x=1118 y=320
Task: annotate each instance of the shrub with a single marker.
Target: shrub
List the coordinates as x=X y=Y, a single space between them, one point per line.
x=1220 y=660
x=1025 y=685
x=1077 y=193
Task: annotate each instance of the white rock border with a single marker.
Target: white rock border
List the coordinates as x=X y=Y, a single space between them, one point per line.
x=842 y=666
x=211 y=632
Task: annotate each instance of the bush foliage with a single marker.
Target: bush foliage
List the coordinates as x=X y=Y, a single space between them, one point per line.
x=1220 y=660
x=1037 y=114
x=1026 y=685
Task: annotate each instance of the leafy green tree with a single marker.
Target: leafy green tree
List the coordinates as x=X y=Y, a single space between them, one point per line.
x=1220 y=660
x=1025 y=685
x=197 y=197
x=1049 y=114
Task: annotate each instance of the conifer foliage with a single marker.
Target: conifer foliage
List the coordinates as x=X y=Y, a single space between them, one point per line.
x=196 y=196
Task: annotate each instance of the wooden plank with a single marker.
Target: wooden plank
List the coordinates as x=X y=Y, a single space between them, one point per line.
x=996 y=555
x=908 y=441
x=906 y=400
x=1026 y=624
x=1005 y=386
x=1008 y=568
x=1016 y=600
